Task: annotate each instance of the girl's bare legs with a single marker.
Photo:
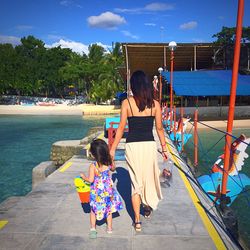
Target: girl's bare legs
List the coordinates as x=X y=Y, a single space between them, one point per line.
x=92 y=220
x=109 y=223
x=136 y=202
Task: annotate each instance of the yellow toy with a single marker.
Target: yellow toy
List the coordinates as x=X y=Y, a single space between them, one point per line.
x=83 y=189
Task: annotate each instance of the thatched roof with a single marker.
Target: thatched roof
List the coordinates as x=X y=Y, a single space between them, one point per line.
x=150 y=56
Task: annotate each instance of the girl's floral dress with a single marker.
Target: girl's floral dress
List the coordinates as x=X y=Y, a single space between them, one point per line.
x=104 y=199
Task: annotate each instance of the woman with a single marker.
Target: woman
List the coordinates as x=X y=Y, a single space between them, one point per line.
x=141 y=152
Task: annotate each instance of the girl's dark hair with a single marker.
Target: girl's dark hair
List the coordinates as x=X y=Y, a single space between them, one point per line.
x=142 y=90
x=99 y=149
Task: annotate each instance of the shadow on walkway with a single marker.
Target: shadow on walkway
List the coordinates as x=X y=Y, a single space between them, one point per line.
x=123 y=187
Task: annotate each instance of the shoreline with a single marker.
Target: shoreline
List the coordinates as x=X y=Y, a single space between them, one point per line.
x=222 y=124
x=59 y=109
x=92 y=110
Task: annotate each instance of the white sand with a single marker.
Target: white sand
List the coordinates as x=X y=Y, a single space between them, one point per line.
x=59 y=109
x=87 y=109
x=222 y=124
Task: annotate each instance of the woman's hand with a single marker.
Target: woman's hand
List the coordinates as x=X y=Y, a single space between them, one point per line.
x=112 y=154
x=113 y=167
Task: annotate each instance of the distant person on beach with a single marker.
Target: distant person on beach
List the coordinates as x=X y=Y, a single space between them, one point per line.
x=141 y=110
x=156 y=90
x=104 y=199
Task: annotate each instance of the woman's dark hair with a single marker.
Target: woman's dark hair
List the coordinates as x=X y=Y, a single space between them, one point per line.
x=142 y=90
x=99 y=149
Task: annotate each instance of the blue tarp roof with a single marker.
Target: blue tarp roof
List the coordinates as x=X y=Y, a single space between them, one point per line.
x=207 y=83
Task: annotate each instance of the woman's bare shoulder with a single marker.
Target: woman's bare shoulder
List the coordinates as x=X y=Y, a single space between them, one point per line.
x=125 y=102
x=157 y=104
x=131 y=98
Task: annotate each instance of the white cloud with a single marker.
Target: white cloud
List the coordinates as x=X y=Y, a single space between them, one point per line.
x=149 y=24
x=77 y=47
x=106 y=20
x=188 y=26
x=128 y=34
x=106 y=47
x=55 y=37
x=132 y=10
x=66 y=3
x=159 y=7
x=10 y=39
x=152 y=7
x=24 y=27
x=198 y=40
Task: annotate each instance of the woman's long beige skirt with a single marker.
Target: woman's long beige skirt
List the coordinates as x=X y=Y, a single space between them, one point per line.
x=144 y=171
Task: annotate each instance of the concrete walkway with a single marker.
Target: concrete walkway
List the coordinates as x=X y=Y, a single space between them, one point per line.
x=51 y=217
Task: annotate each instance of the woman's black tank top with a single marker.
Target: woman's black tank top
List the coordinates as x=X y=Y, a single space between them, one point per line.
x=140 y=127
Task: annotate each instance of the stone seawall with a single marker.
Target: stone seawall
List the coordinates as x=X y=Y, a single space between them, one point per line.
x=217 y=113
x=61 y=151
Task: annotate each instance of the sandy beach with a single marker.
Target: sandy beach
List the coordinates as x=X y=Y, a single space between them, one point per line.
x=88 y=109
x=59 y=109
x=222 y=124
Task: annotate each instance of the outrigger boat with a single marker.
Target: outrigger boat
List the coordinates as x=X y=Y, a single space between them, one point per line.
x=177 y=132
x=237 y=181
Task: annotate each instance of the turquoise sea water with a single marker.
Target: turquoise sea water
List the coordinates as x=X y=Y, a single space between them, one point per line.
x=25 y=141
x=211 y=144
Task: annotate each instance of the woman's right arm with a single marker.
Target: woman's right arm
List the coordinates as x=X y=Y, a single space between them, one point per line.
x=159 y=127
x=120 y=130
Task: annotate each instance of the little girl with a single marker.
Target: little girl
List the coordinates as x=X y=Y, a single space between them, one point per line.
x=104 y=199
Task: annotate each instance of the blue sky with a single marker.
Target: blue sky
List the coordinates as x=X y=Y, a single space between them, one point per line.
x=78 y=23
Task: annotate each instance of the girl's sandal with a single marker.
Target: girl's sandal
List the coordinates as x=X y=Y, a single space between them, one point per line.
x=137 y=226
x=92 y=234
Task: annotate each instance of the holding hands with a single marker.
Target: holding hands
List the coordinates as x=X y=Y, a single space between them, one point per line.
x=83 y=176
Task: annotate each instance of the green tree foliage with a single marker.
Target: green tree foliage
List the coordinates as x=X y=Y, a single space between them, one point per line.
x=227 y=35
x=32 y=69
x=225 y=41
x=7 y=67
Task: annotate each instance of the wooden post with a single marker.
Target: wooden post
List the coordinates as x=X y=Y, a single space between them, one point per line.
x=128 y=71
x=160 y=89
x=195 y=68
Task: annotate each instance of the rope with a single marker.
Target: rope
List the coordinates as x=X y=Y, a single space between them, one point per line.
x=194 y=181
x=206 y=154
x=224 y=132
x=230 y=235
